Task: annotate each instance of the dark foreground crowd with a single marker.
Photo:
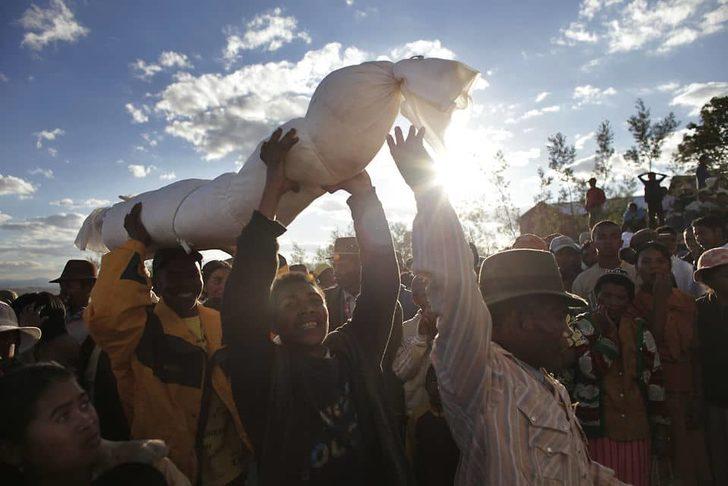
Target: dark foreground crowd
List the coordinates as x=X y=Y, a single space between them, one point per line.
x=549 y=363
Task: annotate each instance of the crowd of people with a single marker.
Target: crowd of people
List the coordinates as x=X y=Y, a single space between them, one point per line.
x=598 y=361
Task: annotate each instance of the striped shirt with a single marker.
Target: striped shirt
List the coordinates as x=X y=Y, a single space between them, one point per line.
x=511 y=427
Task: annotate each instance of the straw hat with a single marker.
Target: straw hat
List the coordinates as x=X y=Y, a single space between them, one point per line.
x=9 y=323
x=521 y=272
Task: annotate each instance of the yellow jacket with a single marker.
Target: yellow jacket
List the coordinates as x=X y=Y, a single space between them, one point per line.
x=161 y=373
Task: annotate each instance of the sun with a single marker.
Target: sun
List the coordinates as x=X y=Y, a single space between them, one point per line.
x=462 y=168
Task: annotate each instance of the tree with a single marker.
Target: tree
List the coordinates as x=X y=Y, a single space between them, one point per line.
x=544 y=186
x=506 y=213
x=402 y=239
x=561 y=160
x=603 y=156
x=709 y=137
x=649 y=136
x=298 y=254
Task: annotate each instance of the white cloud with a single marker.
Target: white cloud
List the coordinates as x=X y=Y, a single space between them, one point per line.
x=223 y=113
x=533 y=113
x=4 y=217
x=49 y=135
x=50 y=25
x=350 y=2
x=138 y=115
x=63 y=221
x=575 y=33
x=591 y=65
x=167 y=176
x=657 y=25
x=665 y=24
x=66 y=202
x=47 y=173
x=140 y=171
x=668 y=87
x=93 y=202
x=582 y=139
x=695 y=95
x=521 y=158
x=270 y=31
x=52 y=152
x=10 y=185
x=541 y=96
x=591 y=95
x=171 y=59
x=69 y=203
x=167 y=60
x=3 y=78
x=144 y=70
x=427 y=48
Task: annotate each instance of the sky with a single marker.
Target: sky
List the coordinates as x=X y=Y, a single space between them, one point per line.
x=101 y=99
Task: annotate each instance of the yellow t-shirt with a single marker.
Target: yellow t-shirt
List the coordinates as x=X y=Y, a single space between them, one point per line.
x=222 y=457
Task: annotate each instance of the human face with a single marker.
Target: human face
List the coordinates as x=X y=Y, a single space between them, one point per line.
x=63 y=436
x=708 y=238
x=669 y=240
x=76 y=293
x=650 y=264
x=544 y=332
x=615 y=299
x=347 y=269
x=589 y=255
x=179 y=284
x=718 y=280
x=568 y=260
x=301 y=317
x=215 y=285
x=327 y=279
x=608 y=240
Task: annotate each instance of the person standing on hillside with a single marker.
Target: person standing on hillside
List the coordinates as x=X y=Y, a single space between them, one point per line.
x=594 y=204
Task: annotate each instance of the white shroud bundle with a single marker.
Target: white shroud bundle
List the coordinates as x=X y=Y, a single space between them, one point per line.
x=348 y=118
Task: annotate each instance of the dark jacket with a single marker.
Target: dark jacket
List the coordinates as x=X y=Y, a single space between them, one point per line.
x=263 y=375
x=335 y=305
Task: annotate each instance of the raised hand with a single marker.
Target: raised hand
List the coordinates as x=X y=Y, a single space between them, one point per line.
x=273 y=153
x=134 y=226
x=413 y=161
x=359 y=184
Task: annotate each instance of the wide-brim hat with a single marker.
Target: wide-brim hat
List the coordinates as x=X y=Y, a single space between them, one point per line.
x=712 y=258
x=9 y=323
x=345 y=245
x=523 y=272
x=77 y=270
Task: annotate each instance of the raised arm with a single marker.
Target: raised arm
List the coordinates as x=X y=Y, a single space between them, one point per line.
x=245 y=313
x=371 y=323
x=461 y=349
x=117 y=312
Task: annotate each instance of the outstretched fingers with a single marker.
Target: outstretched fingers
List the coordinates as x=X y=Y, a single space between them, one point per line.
x=276 y=135
x=289 y=139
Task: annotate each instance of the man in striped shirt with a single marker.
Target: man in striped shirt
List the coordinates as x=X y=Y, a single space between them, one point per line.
x=513 y=422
